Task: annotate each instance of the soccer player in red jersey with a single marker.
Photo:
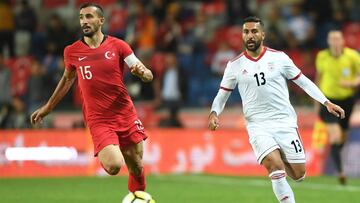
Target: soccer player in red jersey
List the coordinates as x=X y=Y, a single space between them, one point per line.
x=98 y=62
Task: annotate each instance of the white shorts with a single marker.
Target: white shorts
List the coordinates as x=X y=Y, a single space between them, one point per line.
x=287 y=140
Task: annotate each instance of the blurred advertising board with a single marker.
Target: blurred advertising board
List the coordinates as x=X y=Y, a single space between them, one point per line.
x=70 y=153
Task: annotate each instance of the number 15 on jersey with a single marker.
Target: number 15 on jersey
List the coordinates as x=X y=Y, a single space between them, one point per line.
x=85 y=72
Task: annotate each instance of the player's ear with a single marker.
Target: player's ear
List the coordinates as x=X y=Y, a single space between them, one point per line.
x=102 y=20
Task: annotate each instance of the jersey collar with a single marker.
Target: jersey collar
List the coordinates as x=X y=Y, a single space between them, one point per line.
x=258 y=58
x=83 y=40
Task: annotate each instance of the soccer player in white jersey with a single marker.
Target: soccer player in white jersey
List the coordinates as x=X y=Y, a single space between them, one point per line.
x=261 y=75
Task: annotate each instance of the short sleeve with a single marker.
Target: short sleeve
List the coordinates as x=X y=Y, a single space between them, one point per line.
x=125 y=49
x=228 y=81
x=289 y=69
x=67 y=60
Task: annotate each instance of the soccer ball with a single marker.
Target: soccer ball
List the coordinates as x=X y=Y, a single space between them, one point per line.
x=138 y=197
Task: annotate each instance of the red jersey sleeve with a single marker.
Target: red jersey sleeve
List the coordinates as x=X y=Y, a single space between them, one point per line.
x=124 y=49
x=67 y=60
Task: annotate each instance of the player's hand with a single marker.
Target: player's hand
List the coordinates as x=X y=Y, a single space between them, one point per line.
x=137 y=70
x=213 y=121
x=350 y=84
x=39 y=114
x=335 y=109
x=142 y=72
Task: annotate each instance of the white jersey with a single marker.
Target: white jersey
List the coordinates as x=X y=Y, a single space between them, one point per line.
x=262 y=83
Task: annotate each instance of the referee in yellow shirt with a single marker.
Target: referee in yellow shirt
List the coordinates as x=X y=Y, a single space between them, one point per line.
x=338 y=76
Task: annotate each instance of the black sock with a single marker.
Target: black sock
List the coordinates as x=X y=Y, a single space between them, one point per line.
x=336 y=155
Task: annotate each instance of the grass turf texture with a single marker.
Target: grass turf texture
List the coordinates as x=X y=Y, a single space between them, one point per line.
x=173 y=189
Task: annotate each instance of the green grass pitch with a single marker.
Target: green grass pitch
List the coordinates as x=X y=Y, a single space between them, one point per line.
x=173 y=189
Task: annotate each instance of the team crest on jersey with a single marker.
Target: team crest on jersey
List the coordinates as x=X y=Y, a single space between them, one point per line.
x=271 y=65
x=109 y=55
x=346 y=71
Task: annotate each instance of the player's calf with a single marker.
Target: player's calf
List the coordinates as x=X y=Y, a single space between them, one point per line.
x=281 y=188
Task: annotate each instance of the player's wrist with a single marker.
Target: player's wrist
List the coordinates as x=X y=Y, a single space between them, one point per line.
x=48 y=107
x=326 y=103
x=212 y=114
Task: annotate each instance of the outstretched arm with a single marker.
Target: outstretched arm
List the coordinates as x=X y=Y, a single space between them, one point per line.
x=217 y=107
x=62 y=88
x=312 y=90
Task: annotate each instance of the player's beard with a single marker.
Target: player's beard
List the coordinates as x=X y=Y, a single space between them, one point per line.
x=254 y=47
x=91 y=31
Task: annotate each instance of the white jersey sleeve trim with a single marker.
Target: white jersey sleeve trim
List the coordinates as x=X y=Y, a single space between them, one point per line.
x=297 y=76
x=131 y=60
x=226 y=89
x=220 y=101
x=310 y=88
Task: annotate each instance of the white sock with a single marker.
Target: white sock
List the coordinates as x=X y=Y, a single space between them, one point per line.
x=281 y=187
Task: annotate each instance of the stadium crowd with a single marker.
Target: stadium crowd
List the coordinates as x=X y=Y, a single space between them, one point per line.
x=186 y=44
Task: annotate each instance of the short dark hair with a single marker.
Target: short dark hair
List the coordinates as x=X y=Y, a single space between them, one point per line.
x=99 y=9
x=253 y=19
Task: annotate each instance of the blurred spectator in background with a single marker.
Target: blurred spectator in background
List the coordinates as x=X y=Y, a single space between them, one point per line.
x=158 y=9
x=52 y=68
x=237 y=10
x=35 y=93
x=141 y=30
x=275 y=29
x=5 y=93
x=300 y=27
x=25 y=17
x=7 y=27
x=26 y=22
x=353 y=6
x=338 y=74
x=18 y=118
x=20 y=68
x=171 y=91
x=202 y=32
x=322 y=13
x=169 y=31
x=57 y=34
x=223 y=54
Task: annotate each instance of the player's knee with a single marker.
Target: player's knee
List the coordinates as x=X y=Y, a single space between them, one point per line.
x=275 y=167
x=299 y=176
x=113 y=169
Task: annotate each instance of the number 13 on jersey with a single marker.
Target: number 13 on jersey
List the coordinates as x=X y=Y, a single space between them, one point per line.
x=85 y=72
x=260 y=80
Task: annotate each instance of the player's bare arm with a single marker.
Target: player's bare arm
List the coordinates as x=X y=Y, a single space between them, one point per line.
x=62 y=88
x=213 y=121
x=351 y=83
x=335 y=109
x=142 y=72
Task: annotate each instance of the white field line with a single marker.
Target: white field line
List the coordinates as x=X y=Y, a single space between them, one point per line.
x=257 y=183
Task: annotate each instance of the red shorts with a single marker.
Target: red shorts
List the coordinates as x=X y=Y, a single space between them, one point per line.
x=103 y=135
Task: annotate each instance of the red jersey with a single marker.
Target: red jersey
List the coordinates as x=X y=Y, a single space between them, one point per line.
x=100 y=77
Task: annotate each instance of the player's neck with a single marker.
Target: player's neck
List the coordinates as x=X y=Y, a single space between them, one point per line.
x=95 y=40
x=336 y=52
x=255 y=54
